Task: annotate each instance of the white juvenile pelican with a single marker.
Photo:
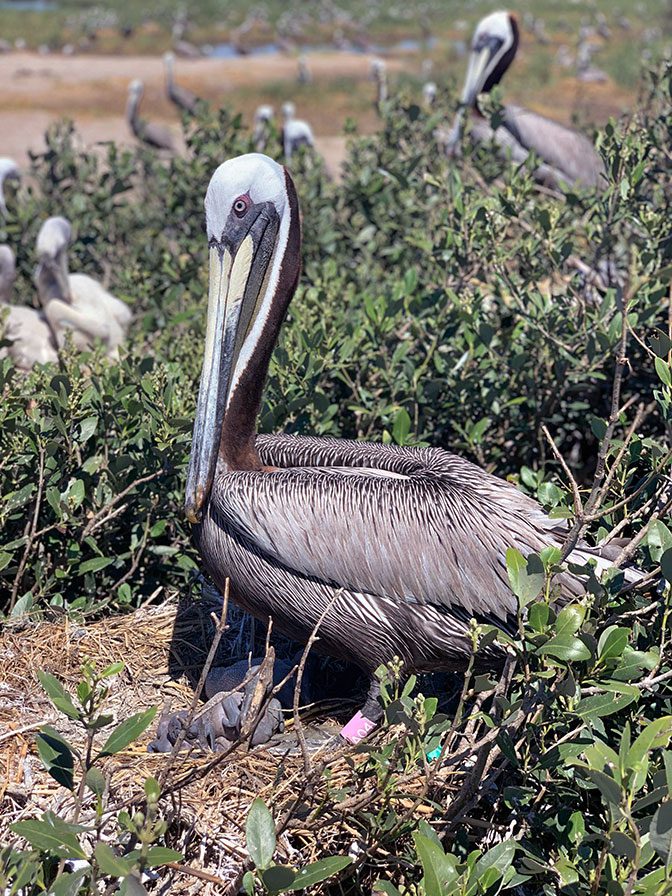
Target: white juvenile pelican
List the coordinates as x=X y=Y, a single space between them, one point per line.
x=76 y=303
x=27 y=331
x=295 y=132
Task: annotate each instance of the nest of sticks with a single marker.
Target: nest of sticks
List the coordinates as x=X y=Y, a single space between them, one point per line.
x=206 y=797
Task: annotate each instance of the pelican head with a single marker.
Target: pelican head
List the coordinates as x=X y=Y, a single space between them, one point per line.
x=253 y=229
x=288 y=111
x=493 y=47
x=51 y=274
x=264 y=113
x=429 y=91
x=378 y=69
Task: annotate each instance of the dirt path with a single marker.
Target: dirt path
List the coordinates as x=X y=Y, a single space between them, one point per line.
x=38 y=90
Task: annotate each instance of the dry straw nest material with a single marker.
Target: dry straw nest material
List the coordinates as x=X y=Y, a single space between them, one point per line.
x=206 y=797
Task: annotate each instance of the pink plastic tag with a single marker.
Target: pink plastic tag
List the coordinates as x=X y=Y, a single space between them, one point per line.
x=357 y=728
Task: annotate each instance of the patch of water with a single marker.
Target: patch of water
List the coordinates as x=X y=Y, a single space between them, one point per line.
x=227 y=50
x=28 y=5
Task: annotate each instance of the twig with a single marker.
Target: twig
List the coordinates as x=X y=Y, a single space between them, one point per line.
x=578 y=503
x=105 y=514
x=31 y=531
x=16 y=731
x=196 y=872
x=307 y=764
x=220 y=628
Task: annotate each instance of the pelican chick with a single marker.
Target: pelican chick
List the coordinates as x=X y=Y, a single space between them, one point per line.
x=566 y=155
x=27 y=331
x=76 y=303
x=148 y=132
x=295 y=132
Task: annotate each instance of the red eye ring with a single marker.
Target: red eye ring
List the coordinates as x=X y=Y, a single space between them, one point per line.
x=241 y=205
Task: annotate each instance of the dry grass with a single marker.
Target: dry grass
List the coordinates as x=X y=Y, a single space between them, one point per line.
x=207 y=797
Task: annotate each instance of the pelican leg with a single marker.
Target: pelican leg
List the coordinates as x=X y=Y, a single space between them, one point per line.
x=368 y=718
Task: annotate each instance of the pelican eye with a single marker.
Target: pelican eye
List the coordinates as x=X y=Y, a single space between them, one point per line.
x=240 y=206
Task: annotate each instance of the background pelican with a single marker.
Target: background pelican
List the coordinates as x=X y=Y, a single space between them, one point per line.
x=148 y=132
x=399 y=547
x=262 y=125
x=429 y=91
x=9 y=170
x=76 y=303
x=379 y=75
x=184 y=99
x=567 y=155
x=295 y=132
x=25 y=328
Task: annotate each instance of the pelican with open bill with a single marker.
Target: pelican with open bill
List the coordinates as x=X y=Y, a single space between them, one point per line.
x=397 y=548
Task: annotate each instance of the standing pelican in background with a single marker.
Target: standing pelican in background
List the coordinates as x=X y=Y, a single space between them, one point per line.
x=26 y=329
x=155 y=135
x=295 y=132
x=262 y=125
x=429 y=91
x=9 y=170
x=184 y=99
x=76 y=303
x=396 y=548
x=566 y=155
x=379 y=75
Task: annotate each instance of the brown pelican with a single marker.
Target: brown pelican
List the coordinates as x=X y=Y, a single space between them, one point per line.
x=429 y=91
x=76 y=303
x=148 y=132
x=379 y=75
x=295 y=132
x=567 y=155
x=262 y=124
x=26 y=329
x=184 y=99
x=304 y=76
x=9 y=170
x=397 y=547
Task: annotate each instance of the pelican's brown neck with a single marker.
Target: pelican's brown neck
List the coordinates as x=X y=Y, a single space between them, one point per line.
x=498 y=72
x=237 y=449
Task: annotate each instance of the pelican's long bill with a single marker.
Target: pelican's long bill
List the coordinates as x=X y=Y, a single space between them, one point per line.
x=239 y=264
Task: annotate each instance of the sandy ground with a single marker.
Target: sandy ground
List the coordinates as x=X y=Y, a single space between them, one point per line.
x=38 y=90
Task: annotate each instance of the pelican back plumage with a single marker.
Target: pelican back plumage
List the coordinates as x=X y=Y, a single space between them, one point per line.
x=409 y=544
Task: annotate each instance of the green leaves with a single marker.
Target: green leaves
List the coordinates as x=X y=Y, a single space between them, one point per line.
x=316 y=872
x=128 y=731
x=58 y=695
x=661 y=832
x=52 y=835
x=56 y=755
x=260 y=834
x=526 y=577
